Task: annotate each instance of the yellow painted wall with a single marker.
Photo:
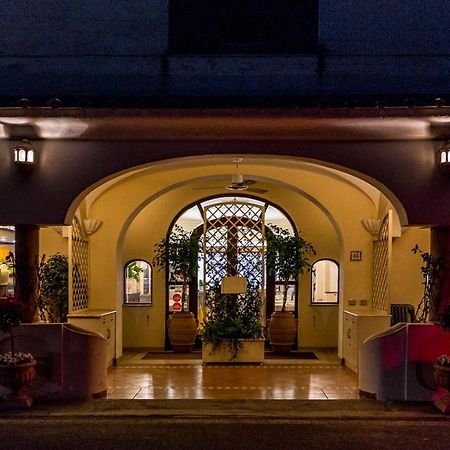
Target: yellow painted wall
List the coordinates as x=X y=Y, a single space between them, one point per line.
x=406 y=278
x=51 y=242
x=318 y=325
x=147 y=229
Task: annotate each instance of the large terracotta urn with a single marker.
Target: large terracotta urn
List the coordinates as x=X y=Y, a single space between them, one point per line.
x=282 y=330
x=182 y=331
x=441 y=375
x=16 y=377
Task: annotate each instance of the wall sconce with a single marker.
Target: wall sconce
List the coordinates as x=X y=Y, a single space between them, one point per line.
x=444 y=157
x=25 y=155
x=371 y=225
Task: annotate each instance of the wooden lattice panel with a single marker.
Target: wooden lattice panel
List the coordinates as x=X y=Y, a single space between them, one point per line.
x=233 y=242
x=382 y=249
x=80 y=268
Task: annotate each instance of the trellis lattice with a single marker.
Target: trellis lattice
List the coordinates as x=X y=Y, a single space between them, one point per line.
x=233 y=242
x=80 y=267
x=382 y=249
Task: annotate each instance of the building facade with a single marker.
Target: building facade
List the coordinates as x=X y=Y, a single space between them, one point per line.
x=137 y=111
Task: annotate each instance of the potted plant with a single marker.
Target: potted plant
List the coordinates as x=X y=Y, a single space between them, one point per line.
x=16 y=368
x=179 y=252
x=232 y=330
x=431 y=311
x=441 y=372
x=53 y=299
x=286 y=258
x=428 y=308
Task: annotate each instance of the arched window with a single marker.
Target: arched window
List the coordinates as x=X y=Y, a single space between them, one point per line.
x=325 y=282
x=138 y=283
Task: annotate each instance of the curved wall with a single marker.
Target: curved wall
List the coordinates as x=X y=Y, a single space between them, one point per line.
x=405 y=171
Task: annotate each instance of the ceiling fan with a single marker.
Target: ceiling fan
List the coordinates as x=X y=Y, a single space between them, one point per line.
x=238 y=183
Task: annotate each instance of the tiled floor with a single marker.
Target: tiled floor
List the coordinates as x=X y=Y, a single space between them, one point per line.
x=321 y=379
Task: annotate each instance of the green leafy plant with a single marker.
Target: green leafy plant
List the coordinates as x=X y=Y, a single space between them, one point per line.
x=180 y=253
x=231 y=317
x=53 y=300
x=286 y=256
x=134 y=271
x=11 y=315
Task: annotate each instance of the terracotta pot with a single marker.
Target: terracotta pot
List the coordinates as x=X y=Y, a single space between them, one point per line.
x=282 y=330
x=441 y=375
x=16 y=378
x=182 y=331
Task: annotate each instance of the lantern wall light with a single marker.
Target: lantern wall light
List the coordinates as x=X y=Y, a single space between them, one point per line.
x=444 y=156
x=25 y=155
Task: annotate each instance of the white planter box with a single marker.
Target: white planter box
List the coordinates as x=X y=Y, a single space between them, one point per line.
x=251 y=351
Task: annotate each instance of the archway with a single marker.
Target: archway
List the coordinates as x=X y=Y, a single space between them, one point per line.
x=294 y=184
x=230 y=233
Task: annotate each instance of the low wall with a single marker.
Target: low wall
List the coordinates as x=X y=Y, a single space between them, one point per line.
x=71 y=361
x=398 y=364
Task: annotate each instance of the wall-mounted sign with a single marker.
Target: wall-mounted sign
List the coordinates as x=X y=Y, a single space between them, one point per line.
x=355 y=255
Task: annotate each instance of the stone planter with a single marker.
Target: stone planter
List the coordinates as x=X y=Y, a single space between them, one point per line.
x=16 y=378
x=250 y=351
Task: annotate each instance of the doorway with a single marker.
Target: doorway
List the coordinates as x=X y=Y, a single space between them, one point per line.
x=232 y=232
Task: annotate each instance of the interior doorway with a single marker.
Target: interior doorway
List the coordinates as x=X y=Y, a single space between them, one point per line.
x=233 y=239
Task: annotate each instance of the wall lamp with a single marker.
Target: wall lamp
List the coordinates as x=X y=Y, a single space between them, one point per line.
x=25 y=155
x=444 y=156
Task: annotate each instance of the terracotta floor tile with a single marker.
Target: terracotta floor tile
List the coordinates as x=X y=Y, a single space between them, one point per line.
x=277 y=380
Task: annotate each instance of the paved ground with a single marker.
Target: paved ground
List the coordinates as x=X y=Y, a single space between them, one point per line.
x=275 y=380
x=225 y=424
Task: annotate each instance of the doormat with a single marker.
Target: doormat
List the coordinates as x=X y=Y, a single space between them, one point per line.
x=194 y=354
x=197 y=354
x=293 y=354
